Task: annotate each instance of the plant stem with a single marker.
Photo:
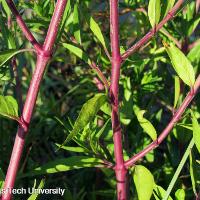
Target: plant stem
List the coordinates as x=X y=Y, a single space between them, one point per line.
x=120 y=169
x=23 y=26
x=178 y=170
x=43 y=56
x=166 y=131
x=153 y=31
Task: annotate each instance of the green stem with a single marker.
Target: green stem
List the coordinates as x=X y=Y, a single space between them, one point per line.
x=178 y=170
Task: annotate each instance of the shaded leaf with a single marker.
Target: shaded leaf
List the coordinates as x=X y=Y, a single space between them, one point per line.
x=181 y=64
x=8 y=107
x=146 y=125
x=169 y=4
x=192 y=175
x=87 y=114
x=196 y=131
x=66 y=164
x=154 y=9
x=76 y=24
x=144 y=181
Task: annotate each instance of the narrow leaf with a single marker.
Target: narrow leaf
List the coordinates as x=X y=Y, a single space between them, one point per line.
x=144 y=182
x=87 y=114
x=196 y=131
x=154 y=12
x=97 y=31
x=8 y=54
x=159 y=193
x=73 y=149
x=192 y=175
x=35 y=196
x=78 y=52
x=169 y=4
x=66 y=164
x=146 y=125
x=76 y=24
x=8 y=107
x=181 y=64
x=176 y=90
x=2 y=177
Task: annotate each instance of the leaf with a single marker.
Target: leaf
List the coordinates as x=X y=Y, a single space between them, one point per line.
x=8 y=107
x=97 y=31
x=144 y=182
x=87 y=114
x=193 y=55
x=168 y=5
x=8 y=54
x=66 y=164
x=2 y=177
x=181 y=64
x=154 y=12
x=73 y=149
x=35 y=196
x=146 y=125
x=78 y=52
x=196 y=131
x=193 y=25
x=192 y=175
x=177 y=90
x=76 y=24
x=180 y=194
x=159 y=193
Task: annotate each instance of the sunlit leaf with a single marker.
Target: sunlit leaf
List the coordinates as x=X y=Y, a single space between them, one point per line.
x=35 y=196
x=176 y=90
x=180 y=194
x=159 y=193
x=181 y=64
x=168 y=4
x=196 y=131
x=144 y=181
x=192 y=174
x=2 y=177
x=154 y=10
x=97 y=31
x=78 y=52
x=65 y=164
x=8 y=107
x=87 y=114
x=146 y=125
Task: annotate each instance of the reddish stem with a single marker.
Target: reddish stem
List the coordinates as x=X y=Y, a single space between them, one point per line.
x=23 y=26
x=43 y=56
x=153 y=31
x=169 y=127
x=120 y=169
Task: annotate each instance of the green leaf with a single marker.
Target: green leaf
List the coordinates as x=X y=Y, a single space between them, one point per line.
x=78 y=52
x=97 y=31
x=146 y=125
x=154 y=12
x=35 y=196
x=181 y=64
x=159 y=193
x=66 y=164
x=8 y=107
x=76 y=24
x=5 y=56
x=2 y=177
x=144 y=182
x=180 y=194
x=177 y=90
x=193 y=25
x=192 y=175
x=169 y=4
x=196 y=131
x=194 y=53
x=87 y=114
x=73 y=149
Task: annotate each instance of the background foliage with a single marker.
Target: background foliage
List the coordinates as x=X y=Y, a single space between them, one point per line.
x=150 y=91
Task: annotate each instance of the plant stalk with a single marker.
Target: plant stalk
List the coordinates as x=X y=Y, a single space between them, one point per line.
x=43 y=57
x=120 y=169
